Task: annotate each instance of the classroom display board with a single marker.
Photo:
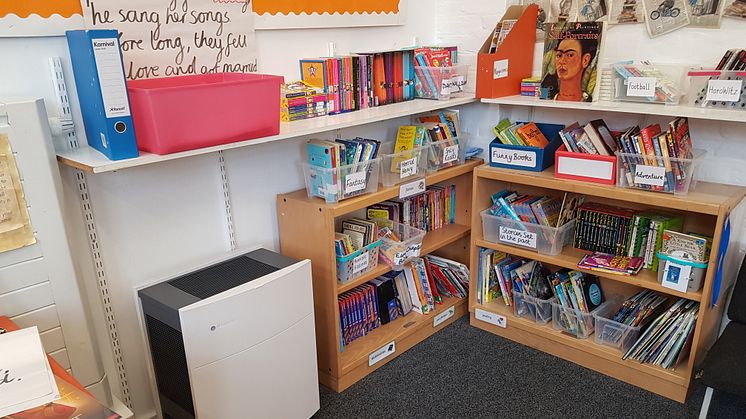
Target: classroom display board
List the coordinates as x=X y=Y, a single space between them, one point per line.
x=39 y=17
x=288 y=14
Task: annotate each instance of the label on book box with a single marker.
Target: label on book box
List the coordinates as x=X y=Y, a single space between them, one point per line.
x=518 y=237
x=453 y=85
x=355 y=181
x=492 y=318
x=360 y=263
x=500 y=69
x=450 y=154
x=650 y=175
x=380 y=354
x=408 y=168
x=442 y=317
x=514 y=158
x=724 y=90
x=400 y=257
x=414 y=250
x=641 y=86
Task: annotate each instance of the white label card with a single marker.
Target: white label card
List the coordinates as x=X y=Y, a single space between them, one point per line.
x=414 y=250
x=442 y=317
x=724 y=90
x=650 y=175
x=514 y=157
x=380 y=354
x=415 y=187
x=400 y=257
x=450 y=154
x=500 y=69
x=360 y=263
x=517 y=237
x=676 y=276
x=356 y=181
x=641 y=86
x=408 y=168
x=111 y=77
x=492 y=318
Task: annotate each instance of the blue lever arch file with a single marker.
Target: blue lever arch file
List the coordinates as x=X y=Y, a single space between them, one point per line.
x=102 y=90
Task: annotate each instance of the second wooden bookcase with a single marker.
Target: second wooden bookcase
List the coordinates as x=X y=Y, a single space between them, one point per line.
x=705 y=210
x=307 y=227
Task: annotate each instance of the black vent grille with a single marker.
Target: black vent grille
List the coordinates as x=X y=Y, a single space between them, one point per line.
x=222 y=277
x=169 y=362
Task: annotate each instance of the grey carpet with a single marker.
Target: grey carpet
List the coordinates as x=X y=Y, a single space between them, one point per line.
x=464 y=372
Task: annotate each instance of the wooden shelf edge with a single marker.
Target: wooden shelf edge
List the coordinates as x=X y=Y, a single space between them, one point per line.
x=678 y=376
x=411 y=330
x=433 y=241
x=562 y=261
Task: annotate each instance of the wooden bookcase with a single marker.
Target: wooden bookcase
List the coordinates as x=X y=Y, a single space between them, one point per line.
x=307 y=227
x=705 y=210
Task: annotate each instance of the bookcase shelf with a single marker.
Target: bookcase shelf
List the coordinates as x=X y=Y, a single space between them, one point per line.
x=705 y=209
x=307 y=227
x=711 y=114
x=91 y=161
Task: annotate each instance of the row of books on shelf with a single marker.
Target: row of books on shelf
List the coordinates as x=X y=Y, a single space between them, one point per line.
x=300 y=100
x=344 y=168
x=641 y=326
x=429 y=211
x=542 y=210
x=370 y=79
x=420 y=287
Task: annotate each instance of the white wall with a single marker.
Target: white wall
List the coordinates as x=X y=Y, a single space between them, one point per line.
x=156 y=220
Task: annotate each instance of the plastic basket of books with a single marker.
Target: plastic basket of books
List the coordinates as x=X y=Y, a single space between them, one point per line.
x=399 y=243
x=647 y=83
x=532 y=308
x=402 y=166
x=573 y=321
x=357 y=263
x=676 y=271
x=612 y=333
x=343 y=182
x=717 y=89
x=659 y=171
x=542 y=239
x=441 y=83
x=447 y=153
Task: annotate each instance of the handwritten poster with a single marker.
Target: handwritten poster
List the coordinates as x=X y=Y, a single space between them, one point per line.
x=15 y=225
x=163 y=38
x=39 y=17
x=288 y=14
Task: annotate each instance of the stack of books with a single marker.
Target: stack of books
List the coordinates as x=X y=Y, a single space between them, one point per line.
x=666 y=341
x=604 y=262
x=531 y=87
x=580 y=293
x=602 y=228
x=435 y=75
x=356 y=153
x=594 y=137
x=301 y=101
x=356 y=234
x=521 y=133
x=500 y=274
x=419 y=287
x=647 y=235
x=543 y=210
x=638 y=310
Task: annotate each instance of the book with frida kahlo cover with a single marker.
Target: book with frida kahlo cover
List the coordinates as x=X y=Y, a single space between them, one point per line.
x=570 y=62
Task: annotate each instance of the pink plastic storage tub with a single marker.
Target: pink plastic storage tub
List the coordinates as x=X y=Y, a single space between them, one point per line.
x=183 y=113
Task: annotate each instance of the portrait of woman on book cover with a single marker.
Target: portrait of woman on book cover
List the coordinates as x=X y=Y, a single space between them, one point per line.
x=569 y=68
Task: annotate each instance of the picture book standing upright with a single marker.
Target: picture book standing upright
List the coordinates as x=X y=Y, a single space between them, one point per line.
x=570 y=61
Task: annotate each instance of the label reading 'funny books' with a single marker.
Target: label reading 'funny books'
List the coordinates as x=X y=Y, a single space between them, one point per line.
x=641 y=86
x=355 y=182
x=408 y=168
x=650 y=175
x=360 y=263
x=500 y=69
x=517 y=237
x=450 y=154
x=514 y=158
x=492 y=318
x=380 y=354
x=724 y=90
x=413 y=188
x=442 y=317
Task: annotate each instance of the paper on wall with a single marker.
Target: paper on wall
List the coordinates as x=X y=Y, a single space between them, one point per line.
x=26 y=379
x=15 y=225
x=163 y=38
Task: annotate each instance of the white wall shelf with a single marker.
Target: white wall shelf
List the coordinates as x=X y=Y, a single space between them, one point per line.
x=713 y=114
x=91 y=161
